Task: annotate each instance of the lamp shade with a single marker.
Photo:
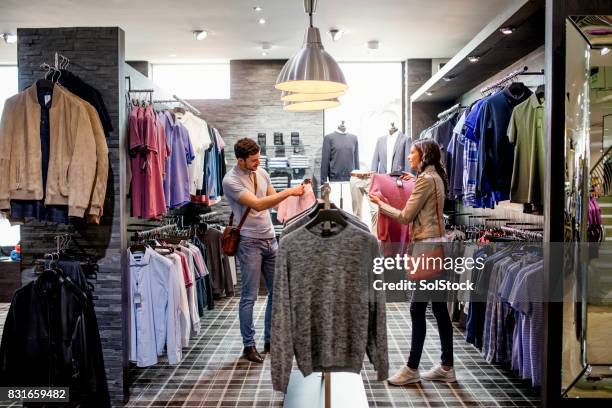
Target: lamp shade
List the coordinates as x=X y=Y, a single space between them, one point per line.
x=312 y=70
x=304 y=97
x=311 y=105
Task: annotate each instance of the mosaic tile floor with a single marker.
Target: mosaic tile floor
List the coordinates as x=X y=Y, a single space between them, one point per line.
x=212 y=375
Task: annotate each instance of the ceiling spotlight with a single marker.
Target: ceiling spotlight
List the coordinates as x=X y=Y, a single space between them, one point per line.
x=257 y=9
x=473 y=59
x=373 y=45
x=9 y=38
x=605 y=51
x=448 y=78
x=429 y=93
x=336 y=34
x=200 y=34
x=506 y=30
x=264 y=53
x=262 y=21
x=172 y=55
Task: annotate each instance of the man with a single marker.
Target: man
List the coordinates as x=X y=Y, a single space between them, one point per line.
x=257 y=246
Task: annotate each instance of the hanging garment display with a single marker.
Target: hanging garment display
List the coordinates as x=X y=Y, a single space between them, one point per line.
x=526 y=133
x=393 y=236
x=310 y=321
x=57 y=166
x=51 y=337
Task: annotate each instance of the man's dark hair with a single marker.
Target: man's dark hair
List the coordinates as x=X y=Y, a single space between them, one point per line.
x=245 y=147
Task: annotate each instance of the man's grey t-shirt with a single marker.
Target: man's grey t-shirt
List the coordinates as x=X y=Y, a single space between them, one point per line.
x=236 y=182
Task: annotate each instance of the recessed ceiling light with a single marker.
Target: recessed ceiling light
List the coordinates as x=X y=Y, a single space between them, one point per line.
x=172 y=55
x=336 y=34
x=262 y=21
x=200 y=34
x=507 y=30
x=448 y=78
x=473 y=59
x=429 y=93
x=257 y=9
x=605 y=51
x=264 y=53
x=373 y=45
x=9 y=38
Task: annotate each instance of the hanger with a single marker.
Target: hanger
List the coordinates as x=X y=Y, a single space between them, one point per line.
x=517 y=89
x=330 y=215
x=540 y=91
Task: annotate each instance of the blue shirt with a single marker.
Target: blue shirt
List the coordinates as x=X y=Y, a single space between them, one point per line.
x=176 y=183
x=495 y=152
x=152 y=306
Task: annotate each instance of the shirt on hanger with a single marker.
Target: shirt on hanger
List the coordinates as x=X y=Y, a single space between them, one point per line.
x=526 y=133
x=200 y=141
x=176 y=185
x=391 y=141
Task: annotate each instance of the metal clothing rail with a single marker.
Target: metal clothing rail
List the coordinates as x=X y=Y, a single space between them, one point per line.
x=190 y=106
x=449 y=111
x=510 y=76
x=528 y=234
x=156 y=230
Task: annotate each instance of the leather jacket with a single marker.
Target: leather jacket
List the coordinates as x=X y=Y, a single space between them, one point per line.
x=421 y=210
x=51 y=338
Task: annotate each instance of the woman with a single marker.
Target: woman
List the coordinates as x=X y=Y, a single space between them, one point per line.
x=424 y=211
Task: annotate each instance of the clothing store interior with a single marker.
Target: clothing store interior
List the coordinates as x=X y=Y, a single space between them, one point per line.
x=121 y=173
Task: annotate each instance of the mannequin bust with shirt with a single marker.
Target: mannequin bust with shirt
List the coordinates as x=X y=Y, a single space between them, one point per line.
x=339 y=155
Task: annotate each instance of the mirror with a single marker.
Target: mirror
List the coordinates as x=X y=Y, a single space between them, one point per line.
x=587 y=299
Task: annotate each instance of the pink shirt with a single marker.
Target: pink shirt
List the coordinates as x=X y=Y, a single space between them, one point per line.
x=393 y=235
x=186 y=271
x=295 y=205
x=136 y=144
x=156 y=150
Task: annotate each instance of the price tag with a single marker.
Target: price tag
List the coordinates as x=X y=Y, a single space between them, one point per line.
x=137 y=299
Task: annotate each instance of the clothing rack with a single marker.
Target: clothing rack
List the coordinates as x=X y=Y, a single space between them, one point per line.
x=532 y=235
x=509 y=77
x=156 y=230
x=450 y=111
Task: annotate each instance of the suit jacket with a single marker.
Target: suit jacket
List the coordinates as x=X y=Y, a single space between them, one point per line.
x=400 y=155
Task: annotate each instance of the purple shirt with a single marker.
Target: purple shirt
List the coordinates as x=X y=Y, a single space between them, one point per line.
x=176 y=183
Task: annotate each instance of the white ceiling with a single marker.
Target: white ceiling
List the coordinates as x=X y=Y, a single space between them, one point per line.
x=155 y=29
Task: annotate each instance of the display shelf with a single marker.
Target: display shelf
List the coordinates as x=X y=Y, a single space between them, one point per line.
x=494 y=49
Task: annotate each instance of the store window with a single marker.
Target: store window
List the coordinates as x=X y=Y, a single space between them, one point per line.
x=372 y=102
x=194 y=81
x=9 y=235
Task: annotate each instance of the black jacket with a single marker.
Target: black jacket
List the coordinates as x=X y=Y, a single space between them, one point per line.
x=51 y=338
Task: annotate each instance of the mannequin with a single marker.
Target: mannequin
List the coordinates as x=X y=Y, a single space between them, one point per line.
x=340 y=155
x=391 y=153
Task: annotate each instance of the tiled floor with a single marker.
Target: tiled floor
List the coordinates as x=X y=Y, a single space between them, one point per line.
x=212 y=375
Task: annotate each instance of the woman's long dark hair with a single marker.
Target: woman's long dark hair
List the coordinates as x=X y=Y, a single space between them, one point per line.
x=431 y=156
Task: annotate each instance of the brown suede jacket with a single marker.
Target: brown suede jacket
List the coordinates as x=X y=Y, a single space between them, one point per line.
x=72 y=161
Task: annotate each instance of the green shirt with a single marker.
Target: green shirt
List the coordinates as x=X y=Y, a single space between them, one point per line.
x=526 y=133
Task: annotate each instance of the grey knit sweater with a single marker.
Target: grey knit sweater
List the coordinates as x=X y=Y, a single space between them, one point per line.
x=325 y=310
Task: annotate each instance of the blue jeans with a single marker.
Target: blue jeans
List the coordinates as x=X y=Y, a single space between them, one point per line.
x=256 y=256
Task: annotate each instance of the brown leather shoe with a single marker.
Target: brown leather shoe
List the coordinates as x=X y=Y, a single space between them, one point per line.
x=251 y=354
x=267 y=348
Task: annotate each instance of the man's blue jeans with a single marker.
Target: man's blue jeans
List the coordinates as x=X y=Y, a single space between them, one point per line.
x=256 y=256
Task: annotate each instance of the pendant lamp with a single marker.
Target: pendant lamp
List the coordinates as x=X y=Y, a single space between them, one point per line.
x=302 y=97
x=311 y=105
x=312 y=70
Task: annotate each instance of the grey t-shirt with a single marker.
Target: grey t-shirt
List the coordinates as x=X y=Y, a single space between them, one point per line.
x=236 y=182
